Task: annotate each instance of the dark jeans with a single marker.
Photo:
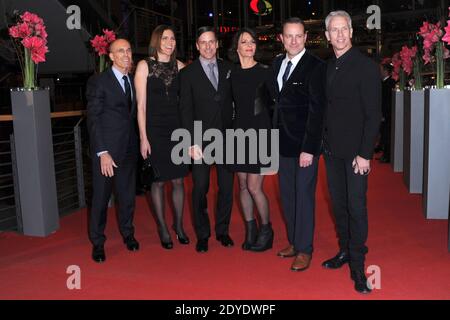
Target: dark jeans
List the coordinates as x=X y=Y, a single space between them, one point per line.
x=348 y=195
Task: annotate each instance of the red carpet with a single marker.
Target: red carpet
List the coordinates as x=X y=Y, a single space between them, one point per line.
x=410 y=251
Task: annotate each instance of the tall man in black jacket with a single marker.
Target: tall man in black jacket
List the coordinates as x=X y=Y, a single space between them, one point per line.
x=352 y=119
x=111 y=120
x=299 y=82
x=206 y=97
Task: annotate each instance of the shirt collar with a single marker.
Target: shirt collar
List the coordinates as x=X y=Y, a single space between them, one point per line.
x=119 y=75
x=205 y=62
x=295 y=59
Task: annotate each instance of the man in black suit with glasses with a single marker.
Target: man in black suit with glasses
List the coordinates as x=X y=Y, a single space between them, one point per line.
x=111 y=120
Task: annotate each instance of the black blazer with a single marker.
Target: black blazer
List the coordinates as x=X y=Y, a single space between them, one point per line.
x=109 y=121
x=299 y=106
x=353 y=112
x=199 y=101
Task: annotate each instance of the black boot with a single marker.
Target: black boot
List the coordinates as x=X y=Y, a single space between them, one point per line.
x=265 y=238
x=251 y=234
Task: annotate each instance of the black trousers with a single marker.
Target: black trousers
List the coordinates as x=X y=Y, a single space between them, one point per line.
x=124 y=185
x=298 y=192
x=348 y=195
x=201 y=178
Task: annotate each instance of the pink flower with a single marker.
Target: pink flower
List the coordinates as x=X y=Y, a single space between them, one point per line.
x=40 y=31
x=406 y=56
x=446 y=53
x=110 y=35
x=33 y=42
x=100 y=45
x=446 y=37
x=38 y=54
x=31 y=18
x=427 y=57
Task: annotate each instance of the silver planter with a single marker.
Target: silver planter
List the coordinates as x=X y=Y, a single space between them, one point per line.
x=397 y=131
x=413 y=140
x=35 y=162
x=436 y=160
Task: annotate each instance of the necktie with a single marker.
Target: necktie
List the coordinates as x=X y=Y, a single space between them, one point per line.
x=127 y=92
x=212 y=76
x=286 y=72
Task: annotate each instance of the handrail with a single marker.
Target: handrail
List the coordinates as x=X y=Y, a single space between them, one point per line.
x=53 y=115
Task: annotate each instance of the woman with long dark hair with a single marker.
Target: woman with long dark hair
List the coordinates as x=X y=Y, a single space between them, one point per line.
x=157 y=85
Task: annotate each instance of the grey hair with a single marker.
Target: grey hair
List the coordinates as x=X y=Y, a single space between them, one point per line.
x=338 y=13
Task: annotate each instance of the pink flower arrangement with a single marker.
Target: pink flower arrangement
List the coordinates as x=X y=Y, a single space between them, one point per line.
x=31 y=34
x=434 y=40
x=407 y=55
x=431 y=34
x=101 y=46
x=446 y=37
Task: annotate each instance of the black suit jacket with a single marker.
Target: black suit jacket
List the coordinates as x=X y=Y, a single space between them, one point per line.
x=111 y=126
x=299 y=106
x=353 y=112
x=199 y=101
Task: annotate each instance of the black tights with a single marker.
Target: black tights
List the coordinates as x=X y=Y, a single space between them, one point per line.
x=157 y=193
x=251 y=191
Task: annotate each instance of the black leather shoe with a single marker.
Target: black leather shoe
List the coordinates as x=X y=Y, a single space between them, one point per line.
x=338 y=261
x=131 y=243
x=225 y=240
x=98 y=254
x=360 y=282
x=202 y=246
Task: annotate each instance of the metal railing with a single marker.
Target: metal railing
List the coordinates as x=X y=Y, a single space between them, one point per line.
x=72 y=172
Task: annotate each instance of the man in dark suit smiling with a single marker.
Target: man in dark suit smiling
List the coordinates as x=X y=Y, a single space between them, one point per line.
x=111 y=117
x=206 y=97
x=299 y=88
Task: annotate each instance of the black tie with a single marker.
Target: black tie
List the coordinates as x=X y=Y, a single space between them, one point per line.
x=286 y=72
x=127 y=92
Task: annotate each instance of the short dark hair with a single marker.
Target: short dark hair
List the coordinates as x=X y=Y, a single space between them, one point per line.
x=296 y=20
x=204 y=29
x=232 y=52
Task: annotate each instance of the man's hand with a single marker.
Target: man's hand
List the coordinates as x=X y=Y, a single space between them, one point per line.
x=195 y=152
x=361 y=166
x=305 y=160
x=107 y=165
x=146 y=150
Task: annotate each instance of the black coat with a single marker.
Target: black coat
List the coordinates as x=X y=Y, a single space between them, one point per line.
x=353 y=111
x=199 y=101
x=299 y=106
x=111 y=126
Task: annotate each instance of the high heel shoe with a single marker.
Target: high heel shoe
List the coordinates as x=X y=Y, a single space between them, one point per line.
x=181 y=236
x=165 y=244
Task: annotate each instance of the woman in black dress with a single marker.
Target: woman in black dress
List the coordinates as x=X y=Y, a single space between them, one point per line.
x=249 y=92
x=157 y=85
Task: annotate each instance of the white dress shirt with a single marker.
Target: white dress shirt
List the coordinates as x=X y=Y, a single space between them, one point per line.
x=294 y=62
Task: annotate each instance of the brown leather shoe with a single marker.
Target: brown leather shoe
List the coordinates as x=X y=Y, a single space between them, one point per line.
x=301 y=262
x=287 y=252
